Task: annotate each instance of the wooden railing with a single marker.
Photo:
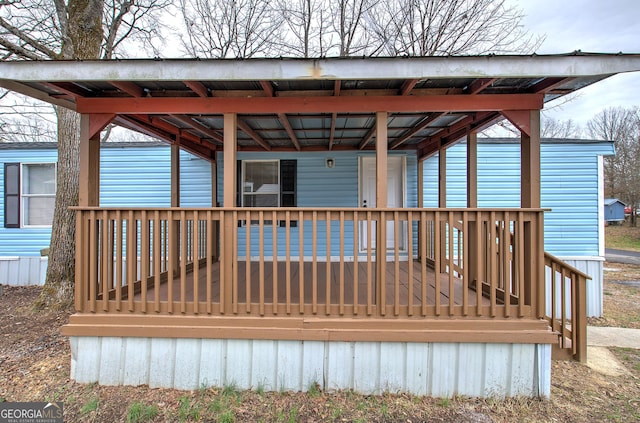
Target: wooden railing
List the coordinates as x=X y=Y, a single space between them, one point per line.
x=566 y=305
x=323 y=262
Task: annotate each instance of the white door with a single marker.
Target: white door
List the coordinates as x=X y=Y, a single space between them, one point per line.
x=395 y=196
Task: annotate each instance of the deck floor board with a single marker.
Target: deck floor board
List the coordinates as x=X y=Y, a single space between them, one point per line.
x=253 y=284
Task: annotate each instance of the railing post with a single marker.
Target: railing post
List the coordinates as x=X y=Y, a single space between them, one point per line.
x=81 y=264
x=579 y=317
x=229 y=257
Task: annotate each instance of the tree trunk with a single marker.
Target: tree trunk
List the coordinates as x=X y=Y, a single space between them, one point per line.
x=84 y=29
x=58 y=289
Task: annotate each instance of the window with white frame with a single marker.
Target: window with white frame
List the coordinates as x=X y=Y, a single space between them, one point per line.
x=30 y=194
x=260 y=183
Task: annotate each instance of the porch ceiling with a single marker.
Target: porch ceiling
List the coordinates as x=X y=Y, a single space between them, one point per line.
x=311 y=105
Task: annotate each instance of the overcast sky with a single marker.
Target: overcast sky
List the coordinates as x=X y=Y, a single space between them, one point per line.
x=601 y=26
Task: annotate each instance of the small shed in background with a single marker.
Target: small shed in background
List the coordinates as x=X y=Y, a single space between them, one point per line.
x=614 y=210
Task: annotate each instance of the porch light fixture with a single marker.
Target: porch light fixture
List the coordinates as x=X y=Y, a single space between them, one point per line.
x=330 y=163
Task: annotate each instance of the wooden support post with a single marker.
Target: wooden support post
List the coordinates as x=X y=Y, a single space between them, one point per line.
x=89 y=190
x=533 y=231
x=442 y=203
x=472 y=255
x=174 y=248
x=381 y=203
x=214 y=203
x=420 y=203
x=230 y=145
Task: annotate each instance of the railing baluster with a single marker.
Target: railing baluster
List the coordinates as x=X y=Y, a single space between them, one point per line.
x=369 y=265
x=452 y=248
x=410 y=263
x=436 y=265
x=157 y=259
x=105 y=253
x=144 y=260
x=184 y=248
x=327 y=300
x=521 y=249
x=506 y=260
x=301 y=279
x=356 y=253
x=196 y=263
x=261 y=262
x=424 y=280
x=396 y=256
x=118 y=260
x=287 y=236
x=234 y=270
x=465 y=263
x=247 y=263
x=171 y=250
x=209 y=258
x=480 y=235
x=314 y=263
x=274 y=260
x=381 y=265
x=341 y=272
x=93 y=260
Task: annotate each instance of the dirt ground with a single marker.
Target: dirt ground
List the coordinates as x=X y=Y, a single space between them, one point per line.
x=35 y=365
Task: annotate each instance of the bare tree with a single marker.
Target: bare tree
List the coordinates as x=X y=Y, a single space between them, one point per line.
x=622 y=171
x=230 y=29
x=307 y=26
x=450 y=27
x=553 y=128
x=76 y=29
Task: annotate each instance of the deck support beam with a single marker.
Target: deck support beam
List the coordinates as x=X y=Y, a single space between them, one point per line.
x=530 y=198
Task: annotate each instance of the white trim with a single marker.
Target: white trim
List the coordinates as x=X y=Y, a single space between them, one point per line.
x=321 y=69
x=601 y=247
x=585 y=258
x=24 y=196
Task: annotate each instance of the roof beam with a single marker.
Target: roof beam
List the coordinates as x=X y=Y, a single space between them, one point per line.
x=68 y=88
x=279 y=105
x=267 y=87
x=37 y=94
x=367 y=138
x=198 y=88
x=478 y=85
x=548 y=84
x=187 y=120
x=128 y=87
x=419 y=127
x=407 y=86
x=284 y=120
x=253 y=134
x=337 y=85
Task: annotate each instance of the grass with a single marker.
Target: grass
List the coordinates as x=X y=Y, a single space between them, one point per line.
x=139 y=412
x=622 y=237
x=90 y=406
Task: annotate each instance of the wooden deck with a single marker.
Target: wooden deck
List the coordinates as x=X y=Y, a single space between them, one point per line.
x=314 y=282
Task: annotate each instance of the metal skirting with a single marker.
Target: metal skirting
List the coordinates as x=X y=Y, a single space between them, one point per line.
x=22 y=271
x=435 y=369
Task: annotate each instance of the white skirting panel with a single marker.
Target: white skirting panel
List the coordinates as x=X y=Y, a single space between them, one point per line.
x=435 y=369
x=594 y=268
x=22 y=271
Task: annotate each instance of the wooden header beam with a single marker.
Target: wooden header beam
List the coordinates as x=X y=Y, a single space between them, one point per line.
x=270 y=105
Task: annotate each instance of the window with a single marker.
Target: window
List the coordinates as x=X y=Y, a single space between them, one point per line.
x=267 y=183
x=260 y=183
x=30 y=194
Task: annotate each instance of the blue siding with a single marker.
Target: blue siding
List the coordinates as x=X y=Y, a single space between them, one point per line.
x=569 y=187
x=23 y=241
x=318 y=186
x=140 y=176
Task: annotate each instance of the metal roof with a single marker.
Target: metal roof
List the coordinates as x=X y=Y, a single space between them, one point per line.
x=312 y=104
